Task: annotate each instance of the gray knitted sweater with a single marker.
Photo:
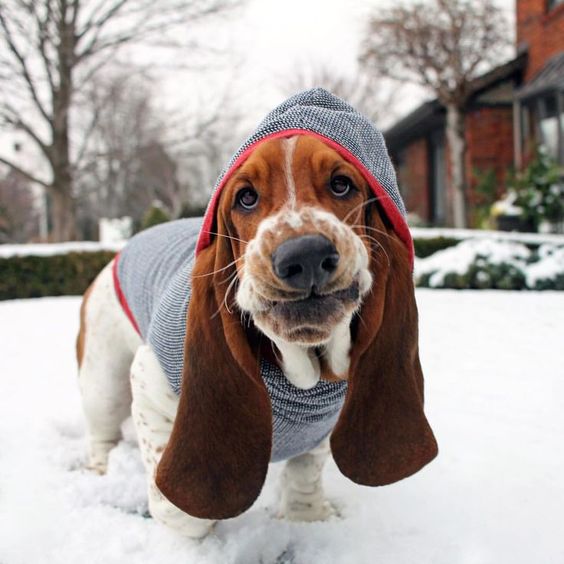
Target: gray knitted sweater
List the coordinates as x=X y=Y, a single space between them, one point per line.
x=153 y=273
x=153 y=277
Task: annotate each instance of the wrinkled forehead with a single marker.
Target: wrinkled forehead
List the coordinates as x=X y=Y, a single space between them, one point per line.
x=290 y=154
x=284 y=167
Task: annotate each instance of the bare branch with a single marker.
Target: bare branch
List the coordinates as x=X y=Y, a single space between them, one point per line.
x=44 y=38
x=98 y=18
x=12 y=118
x=441 y=44
x=55 y=48
x=30 y=83
x=24 y=173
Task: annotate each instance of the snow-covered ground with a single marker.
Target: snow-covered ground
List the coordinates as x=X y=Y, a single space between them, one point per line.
x=494 y=364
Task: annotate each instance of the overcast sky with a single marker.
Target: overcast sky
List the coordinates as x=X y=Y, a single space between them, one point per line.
x=262 y=45
x=273 y=38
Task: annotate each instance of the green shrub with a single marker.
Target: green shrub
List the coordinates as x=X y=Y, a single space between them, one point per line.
x=539 y=190
x=153 y=216
x=556 y=283
x=427 y=247
x=57 y=275
x=482 y=275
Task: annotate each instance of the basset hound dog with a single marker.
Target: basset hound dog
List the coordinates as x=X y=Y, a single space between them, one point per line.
x=281 y=326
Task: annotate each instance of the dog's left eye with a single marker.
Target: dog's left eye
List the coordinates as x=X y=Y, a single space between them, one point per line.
x=341 y=186
x=247 y=198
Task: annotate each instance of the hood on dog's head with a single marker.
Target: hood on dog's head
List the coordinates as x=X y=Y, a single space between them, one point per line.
x=321 y=114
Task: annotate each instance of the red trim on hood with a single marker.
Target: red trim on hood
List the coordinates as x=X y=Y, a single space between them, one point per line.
x=389 y=206
x=121 y=297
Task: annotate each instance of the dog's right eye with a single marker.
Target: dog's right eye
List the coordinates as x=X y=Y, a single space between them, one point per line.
x=247 y=198
x=341 y=186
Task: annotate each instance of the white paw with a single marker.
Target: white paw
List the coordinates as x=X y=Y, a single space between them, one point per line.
x=168 y=514
x=338 y=349
x=307 y=512
x=339 y=363
x=302 y=369
x=99 y=469
x=99 y=453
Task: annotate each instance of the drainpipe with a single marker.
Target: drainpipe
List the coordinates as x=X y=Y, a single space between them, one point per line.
x=517 y=134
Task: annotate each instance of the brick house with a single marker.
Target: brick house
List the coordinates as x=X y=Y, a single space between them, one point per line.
x=511 y=109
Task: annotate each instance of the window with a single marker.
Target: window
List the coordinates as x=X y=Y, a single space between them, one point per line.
x=551 y=4
x=548 y=124
x=542 y=122
x=402 y=172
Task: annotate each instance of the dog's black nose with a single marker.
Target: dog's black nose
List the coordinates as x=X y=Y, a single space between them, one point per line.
x=305 y=262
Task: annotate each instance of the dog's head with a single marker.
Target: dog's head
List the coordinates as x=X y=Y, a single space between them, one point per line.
x=305 y=267
x=300 y=245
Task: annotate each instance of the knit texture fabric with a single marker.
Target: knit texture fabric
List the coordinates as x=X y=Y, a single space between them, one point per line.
x=324 y=115
x=154 y=276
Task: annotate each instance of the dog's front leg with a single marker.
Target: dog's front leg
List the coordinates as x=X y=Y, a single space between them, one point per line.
x=299 y=364
x=338 y=348
x=302 y=495
x=154 y=409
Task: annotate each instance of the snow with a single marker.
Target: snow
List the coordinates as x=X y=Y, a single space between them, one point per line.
x=459 y=259
x=544 y=265
x=526 y=238
x=50 y=249
x=494 y=395
x=550 y=265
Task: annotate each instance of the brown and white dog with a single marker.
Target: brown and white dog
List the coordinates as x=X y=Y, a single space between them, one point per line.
x=207 y=452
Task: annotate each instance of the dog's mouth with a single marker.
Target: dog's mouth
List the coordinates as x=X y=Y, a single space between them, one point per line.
x=316 y=308
x=309 y=320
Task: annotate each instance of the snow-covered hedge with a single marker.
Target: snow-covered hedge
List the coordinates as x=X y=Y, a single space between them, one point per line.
x=533 y=261
x=490 y=263
x=33 y=276
x=52 y=249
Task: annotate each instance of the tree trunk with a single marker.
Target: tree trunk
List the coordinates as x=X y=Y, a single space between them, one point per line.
x=63 y=209
x=62 y=214
x=457 y=151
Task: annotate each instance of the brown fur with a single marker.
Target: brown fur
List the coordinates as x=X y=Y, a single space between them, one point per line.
x=216 y=460
x=382 y=434
x=82 y=331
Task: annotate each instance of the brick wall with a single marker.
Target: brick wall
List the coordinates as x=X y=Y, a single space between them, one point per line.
x=413 y=177
x=489 y=137
x=541 y=31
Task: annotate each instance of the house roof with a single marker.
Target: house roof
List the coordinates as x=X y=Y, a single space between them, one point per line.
x=550 y=77
x=497 y=74
x=431 y=115
x=426 y=117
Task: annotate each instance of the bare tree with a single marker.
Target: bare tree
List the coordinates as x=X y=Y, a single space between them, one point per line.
x=122 y=124
x=376 y=101
x=442 y=45
x=51 y=50
x=135 y=154
x=206 y=138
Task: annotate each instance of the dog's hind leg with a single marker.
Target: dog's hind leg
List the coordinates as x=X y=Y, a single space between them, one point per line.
x=105 y=349
x=154 y=410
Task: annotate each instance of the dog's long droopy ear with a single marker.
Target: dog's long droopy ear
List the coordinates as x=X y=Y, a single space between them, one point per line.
x=382 y=434
x=216 y=460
